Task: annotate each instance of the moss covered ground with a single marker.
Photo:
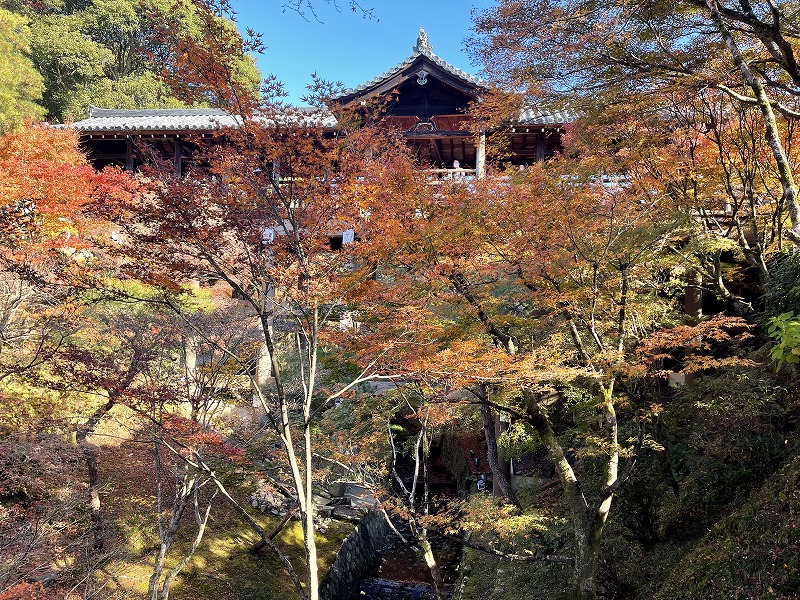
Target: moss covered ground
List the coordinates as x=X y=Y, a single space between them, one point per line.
x=222 y=567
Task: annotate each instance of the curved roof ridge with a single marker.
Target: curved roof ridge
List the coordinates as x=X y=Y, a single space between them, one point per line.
x=421 y=48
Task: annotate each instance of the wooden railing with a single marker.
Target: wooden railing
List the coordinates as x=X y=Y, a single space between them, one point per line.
x=437 y=175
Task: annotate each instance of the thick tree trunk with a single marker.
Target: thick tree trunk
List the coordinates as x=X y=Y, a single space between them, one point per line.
x=90 y=455
x=587 y=554
x=495 y=464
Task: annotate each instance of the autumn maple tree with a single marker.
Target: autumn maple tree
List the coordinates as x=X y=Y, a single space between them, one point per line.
x=47 y=190
x=260 y=216
x=570 y=52
x=48 y=267
x=526 y=283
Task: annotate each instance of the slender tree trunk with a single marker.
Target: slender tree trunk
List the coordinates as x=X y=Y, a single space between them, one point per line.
x=202 y=521
x=498 y=472
x=93 y=475
x=258 y=529
x=588 y=521
x=430 y=561
x=184 y=491
x=308 y=523
x=790 y=198
x=308 y=518
x=421 y=451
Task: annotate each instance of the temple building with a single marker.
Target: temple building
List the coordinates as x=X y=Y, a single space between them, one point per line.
x=424 y=97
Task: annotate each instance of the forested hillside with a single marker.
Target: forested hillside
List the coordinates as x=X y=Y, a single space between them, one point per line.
x=112 y=54
x=201 y=393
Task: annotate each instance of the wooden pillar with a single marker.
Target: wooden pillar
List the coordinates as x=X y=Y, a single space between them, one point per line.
x=128 y=154
x=480 y=156
x=178 y=158
x=540 y=146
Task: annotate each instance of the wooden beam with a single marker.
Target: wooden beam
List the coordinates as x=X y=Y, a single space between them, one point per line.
x=438 y=145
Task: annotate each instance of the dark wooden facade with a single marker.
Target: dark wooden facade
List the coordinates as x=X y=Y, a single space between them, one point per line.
x=424 y=97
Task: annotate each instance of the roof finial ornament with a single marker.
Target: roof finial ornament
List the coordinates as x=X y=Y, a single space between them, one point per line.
x=423 y=45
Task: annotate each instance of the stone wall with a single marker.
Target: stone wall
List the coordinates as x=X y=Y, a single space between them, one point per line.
x=356 y=557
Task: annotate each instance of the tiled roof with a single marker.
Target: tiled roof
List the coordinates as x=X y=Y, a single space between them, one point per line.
x=181 y=119
x=421 y=48
x=536 y=116
x=156 y=119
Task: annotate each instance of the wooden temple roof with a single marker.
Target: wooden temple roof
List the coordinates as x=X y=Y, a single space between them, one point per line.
x=419 y=65
x=103 y=120
x=424 y=97
x=181 y=120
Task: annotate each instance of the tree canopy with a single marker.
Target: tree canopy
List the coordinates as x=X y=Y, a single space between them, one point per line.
x=117 y=53
x=20 y=82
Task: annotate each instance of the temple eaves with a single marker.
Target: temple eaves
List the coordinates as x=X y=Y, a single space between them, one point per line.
x=188 y=120
x=421 y=49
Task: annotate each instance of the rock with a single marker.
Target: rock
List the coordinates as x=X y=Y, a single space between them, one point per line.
x=47 y=579
x=323 y=493
x=337 y=489
x=346 y=513
x=324 y=511
x=321 y=500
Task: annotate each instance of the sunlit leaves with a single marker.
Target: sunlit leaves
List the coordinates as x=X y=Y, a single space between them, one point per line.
x=45 y=187
x=710 y=344
x=784 y=329
x=20 y=83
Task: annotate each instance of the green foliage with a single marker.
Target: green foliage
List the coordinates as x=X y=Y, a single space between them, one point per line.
x=500 y=526
x=641 y=502
x=722 y=434
x=520 y=438
x=782 y=294
x=753 y=553
x=336 y=368
x=784 y=329
x=68 y=59
x=20 y=84
x=488 y=577
x=110 y=53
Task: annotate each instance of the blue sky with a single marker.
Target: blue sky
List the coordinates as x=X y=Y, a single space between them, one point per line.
x=346 y=47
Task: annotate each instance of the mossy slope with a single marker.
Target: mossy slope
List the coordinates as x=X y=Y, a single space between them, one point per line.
x=752 y=553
